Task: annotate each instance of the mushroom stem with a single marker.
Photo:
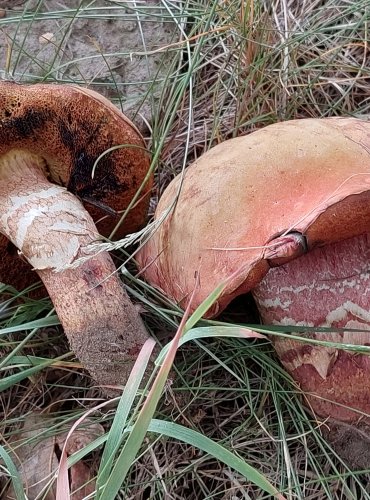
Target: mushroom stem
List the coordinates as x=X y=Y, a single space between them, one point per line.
x=52 y=229
x=327 y=288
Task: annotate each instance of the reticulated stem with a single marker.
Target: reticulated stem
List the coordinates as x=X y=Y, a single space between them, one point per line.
x=328 y=287
x=51 y=229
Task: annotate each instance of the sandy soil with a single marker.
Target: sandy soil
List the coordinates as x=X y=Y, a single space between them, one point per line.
x=102 y=47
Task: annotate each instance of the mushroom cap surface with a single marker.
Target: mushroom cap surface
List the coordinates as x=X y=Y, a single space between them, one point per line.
x=310 y=176
x=70 y=127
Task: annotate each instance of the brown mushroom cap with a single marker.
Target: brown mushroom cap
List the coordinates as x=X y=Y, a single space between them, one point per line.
x=70 y=127
x=308 y=176
x=64 y=125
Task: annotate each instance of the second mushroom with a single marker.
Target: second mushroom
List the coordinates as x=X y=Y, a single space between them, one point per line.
x=285 y=213
x=50 y=139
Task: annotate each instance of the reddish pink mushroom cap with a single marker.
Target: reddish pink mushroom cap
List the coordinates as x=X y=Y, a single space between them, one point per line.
x=311 y=176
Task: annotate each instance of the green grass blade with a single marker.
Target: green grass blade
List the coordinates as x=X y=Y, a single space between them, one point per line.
x=7 y=382
x=30 y=325
x=114 y=438
x=13 y=472
x=139 y=429
x=218 y=451
x=211 y=332
x=204 y=306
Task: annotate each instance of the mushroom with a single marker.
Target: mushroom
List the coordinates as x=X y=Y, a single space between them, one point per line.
x=50 y=139
x=285 y=213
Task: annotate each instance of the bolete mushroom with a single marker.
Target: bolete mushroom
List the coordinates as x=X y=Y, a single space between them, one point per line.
x=50 y=139
x=285 y=213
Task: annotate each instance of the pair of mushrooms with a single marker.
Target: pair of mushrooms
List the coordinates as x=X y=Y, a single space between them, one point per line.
x=284 y=213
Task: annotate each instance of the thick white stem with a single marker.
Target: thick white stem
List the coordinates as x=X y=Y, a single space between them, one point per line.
x=45 y=222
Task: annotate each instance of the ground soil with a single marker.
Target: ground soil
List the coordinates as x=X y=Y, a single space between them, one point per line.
x=107 y=46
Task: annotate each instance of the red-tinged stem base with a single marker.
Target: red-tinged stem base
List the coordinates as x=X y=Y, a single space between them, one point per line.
x=102 y=325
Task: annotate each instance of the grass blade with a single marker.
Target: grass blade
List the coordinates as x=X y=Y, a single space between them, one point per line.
x=124 y=407
x=218 y=451
x=13 y=472
x=212 y=332
x=7 y=382
x=139 y=429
